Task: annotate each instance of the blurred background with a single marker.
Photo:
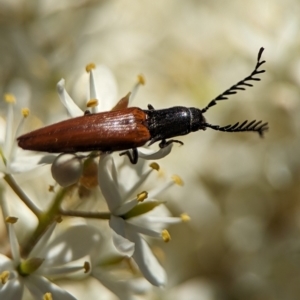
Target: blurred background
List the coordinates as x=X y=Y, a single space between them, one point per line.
x=242 y=192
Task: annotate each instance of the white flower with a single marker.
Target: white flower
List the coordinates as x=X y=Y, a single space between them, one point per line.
x=14 y=159
x=125 y=289
x=116 y=273
x=102 y=95
x=131 y=218
x=66 y=255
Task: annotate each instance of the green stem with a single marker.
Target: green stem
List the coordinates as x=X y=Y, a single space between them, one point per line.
x=15 y=187
x=85 y=214
x=45 y=220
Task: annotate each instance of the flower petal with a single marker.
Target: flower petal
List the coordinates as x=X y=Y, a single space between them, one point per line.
x=14 y=245
x=67 y=101
x=2 y=133
x=74 y=243
x=39 y=248
x=126 y=207
x=108 y=184
x=150 y=154
x=12 y=289
x=106 y=88
x=124 y=289
x=122 y=244
x=147 y=262
x=9 y=127
x=6 y=264
x=143 y=229
x=39 y=286
x=73 y=270
x=137 y=177
x=27 y=163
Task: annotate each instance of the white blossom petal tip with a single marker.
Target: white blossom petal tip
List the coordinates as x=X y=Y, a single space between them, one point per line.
x=150 y=154
x=72 y=108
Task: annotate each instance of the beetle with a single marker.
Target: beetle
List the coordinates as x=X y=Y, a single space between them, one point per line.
x=130 y=128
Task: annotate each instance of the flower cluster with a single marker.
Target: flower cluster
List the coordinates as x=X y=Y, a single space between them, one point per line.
x=67 y=242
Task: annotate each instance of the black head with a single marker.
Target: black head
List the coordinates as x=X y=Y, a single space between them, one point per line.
x=197 y=121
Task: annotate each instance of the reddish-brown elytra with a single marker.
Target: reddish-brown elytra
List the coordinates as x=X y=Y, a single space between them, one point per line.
x=109 y=131
x=129 y=128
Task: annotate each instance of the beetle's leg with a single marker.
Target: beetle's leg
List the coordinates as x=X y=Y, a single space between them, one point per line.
x=150 y=107
x=165 y=143
x=133 y=156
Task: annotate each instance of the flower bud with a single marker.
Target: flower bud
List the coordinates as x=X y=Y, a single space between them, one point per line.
x=67 y=169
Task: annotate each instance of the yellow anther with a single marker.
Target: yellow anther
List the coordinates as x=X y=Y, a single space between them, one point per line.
x=92 y=103
x=86 y=267
x=47 y=296
x=11 y=220
x=25 y=112
x=166 y=235
x=185 y=217
x=9 y=98
x=90 y=67
x=51 y=188
x=4 y=277
x=141 y=79
x=177 y=180
x=155 y=166
x=142 y=196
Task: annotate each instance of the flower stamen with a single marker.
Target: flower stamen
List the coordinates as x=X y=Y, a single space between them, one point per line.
x=9 y=98
x=185 y=217
x=177 y=180
x=141 y=79
x=155 y=166
x=11 y=220
x=4 y=277
x=92 y=103
x=51 y=188
x=142 y=196
x=47 y=296
x=166 y=235
x=25 y=112
x=86 y=266
x=90 y=67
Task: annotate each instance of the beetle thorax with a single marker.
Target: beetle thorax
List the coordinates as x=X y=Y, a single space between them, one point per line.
x=197 y=119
